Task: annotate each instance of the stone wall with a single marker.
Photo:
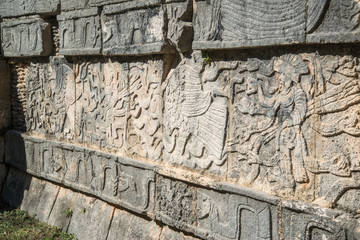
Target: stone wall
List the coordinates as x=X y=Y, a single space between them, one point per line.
x=215 y=119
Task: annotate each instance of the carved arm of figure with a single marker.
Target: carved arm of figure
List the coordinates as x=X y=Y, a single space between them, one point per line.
x=300 y=108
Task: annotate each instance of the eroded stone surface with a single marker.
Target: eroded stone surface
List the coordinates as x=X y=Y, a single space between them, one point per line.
x=230 y=24
x=131 y=227
x=26 y=37
x=132 y=32
x=80 y=32
x=16 y=8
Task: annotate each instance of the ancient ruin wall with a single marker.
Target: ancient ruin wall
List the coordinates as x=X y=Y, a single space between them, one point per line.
x=221 y=119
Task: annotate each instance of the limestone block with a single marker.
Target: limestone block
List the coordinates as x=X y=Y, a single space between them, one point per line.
x=301 y=220
x=69 y=5
x=15 y=185
x=134 y=28
x=168 y=233
x=39 y=198
x=61 y=212
x=213 y=215
x=80 y=32
x=118 y=180
x=26 y=37
x=16 y=8
x=180 y=29
x=131 y=227
x=15 y=150
x=234 y=24
x=5 y=104
x=91 y=218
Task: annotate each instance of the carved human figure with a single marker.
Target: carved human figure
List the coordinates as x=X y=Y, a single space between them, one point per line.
x=290 y=106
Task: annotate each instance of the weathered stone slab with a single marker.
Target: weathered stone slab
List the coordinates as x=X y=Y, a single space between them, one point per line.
x=5 y=112
x=80 y=32
x=180 y=30
x=216 y=215
x=91 y=218
x=69 y=5
x=131 y=227
x=304 y=221
x=134 y=32
x=15 y=185
x=26 y=37
x=39 y=198
x=120 y=181
x=60 y=215
x=16 y=8
x=168 y=233
x=234 y=24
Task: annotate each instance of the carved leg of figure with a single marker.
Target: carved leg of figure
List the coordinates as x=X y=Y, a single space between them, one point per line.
x=285 y=166
x=298 y=161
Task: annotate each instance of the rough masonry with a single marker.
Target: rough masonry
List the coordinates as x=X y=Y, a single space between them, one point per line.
x=216 y=119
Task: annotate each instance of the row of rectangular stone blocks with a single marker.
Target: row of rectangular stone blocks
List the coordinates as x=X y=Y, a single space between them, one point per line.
x=217 y=211
x=121 y=27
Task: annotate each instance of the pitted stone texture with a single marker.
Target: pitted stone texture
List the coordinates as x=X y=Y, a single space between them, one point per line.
x=304 y=221
x=3 y=173
x=65 y=202
x=128 y=226
x=120 y=181
x=80 y=32
x=134 y=32
x=233 y=24
x=180 y=30
x=167 y=234
x=39 y=199
x=90 y=219
x=26 y=37
x=16 y=8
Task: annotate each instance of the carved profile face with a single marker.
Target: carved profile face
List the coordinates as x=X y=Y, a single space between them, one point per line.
x=251 y=85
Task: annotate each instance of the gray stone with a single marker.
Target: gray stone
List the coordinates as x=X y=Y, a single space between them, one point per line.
x=131 y=227
x=39 y=198
x=232 y=24
x=124 y=33
x=180 y=30
x=301 y=220
x=16 y=8
x=119 y=181
x=60 y=215
x=80 y=32
x=90 y=218
x=69 y=5
x=15 y=185
x=175 y=204
x=5 y=112
x=15 y=150
x=26 y=37
x=168 y=233
x=338 y=24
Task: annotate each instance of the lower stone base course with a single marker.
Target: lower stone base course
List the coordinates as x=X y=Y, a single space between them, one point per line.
x=86 y=217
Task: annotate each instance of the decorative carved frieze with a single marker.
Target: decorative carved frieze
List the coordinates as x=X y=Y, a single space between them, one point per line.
x=26 y=37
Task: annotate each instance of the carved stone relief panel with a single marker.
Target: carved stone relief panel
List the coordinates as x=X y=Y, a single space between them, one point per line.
x=303 y=221
x=294 y=125
x=15 y=8
x=117 y=180
x=80 y=32
x=144 y=128
x=26 y=37
x=196 y=114
x=131 y=32
x=232 y=24
x=51 y=98
x=175 y=203
x=228 y=216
